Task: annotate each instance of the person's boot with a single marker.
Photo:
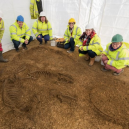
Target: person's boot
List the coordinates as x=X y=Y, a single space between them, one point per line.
x=92 y=60
x=87 y=57
x=2 y=59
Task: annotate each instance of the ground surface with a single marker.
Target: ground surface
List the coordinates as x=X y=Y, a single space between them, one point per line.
x=47 y=88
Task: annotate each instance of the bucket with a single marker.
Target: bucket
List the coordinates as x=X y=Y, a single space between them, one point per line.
x=97 y=58
x=53 y=43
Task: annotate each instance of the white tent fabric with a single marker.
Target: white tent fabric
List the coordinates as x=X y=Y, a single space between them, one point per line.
x=108 y=16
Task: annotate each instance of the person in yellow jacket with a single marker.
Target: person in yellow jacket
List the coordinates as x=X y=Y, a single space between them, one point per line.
x=71 y=35
x=116 y=55
x=20 y=33
x=1 y=35
x=42 y=28
x=35 y=8
x=91 y=44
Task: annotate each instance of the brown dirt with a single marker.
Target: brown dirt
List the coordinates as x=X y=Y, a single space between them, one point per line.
x=44 y=87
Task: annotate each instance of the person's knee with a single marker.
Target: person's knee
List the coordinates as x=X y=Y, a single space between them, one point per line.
x=66 y=46
x=79 y=51
x=91 y=53
x=71 y=39
x=104 y=58
x=46 y=38
x=16 y=43
x=39 y=39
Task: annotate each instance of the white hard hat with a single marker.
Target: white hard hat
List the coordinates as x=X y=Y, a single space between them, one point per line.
x=42 y=14
x=1 y=14
x=89 y=26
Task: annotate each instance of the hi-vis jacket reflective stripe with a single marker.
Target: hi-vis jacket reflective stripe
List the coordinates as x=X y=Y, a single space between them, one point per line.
x=118 y=58
x=1 y=29
x=17 y=33
x=76 y=34
x=94 y=45
x=33 y=9
x=42 y=28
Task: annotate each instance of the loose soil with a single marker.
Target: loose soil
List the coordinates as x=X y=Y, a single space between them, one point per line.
x=45 y=87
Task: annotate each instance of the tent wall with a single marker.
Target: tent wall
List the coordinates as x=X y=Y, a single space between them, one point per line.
x=115 y=20
x=109 y=16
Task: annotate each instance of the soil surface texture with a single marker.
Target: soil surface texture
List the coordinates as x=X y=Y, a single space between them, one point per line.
x=45 y=87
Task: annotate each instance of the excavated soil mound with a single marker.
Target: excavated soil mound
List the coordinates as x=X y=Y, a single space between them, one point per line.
x=44 y=87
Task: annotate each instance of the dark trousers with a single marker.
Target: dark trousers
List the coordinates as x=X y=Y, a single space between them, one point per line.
x=46 y=38
x=17 y=43
x=70 y=44
x=91 y=53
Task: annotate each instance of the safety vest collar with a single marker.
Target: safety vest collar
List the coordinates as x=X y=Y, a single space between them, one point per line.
x=75 y=26
x=75 y=29
x=17 y=25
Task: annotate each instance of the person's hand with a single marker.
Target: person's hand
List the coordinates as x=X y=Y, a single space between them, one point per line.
x=26 y=41
x=105 y=61
x=102 y=55
x=81 y=48
x=38 y=36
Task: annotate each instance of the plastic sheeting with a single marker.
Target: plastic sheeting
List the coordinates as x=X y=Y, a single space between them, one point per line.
x=108 y=16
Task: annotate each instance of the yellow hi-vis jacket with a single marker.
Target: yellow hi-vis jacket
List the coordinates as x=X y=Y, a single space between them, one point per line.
x=75 y=34
x=17 y=33
x=42 y=28
x=1 y=29
x=94 y=45
x=34 y=9
x=118 y=58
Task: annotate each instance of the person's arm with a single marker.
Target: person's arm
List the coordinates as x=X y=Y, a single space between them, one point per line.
x=2 y=31
x=35 y=29
x=13 y=34
x=27 y=33
x=50 y=30
x=66 y=36
x=106 y=50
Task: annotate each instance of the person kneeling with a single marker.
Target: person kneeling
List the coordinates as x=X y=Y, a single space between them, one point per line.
x=116 y=55
x=91 y=44
x=71 y=35
x=20 y=33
